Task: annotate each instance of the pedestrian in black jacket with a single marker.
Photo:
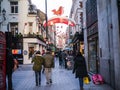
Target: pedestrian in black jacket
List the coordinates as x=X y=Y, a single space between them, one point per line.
x=9 y=68
x=80 y=69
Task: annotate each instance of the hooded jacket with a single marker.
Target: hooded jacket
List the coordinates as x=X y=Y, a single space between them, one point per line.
x=38 y=62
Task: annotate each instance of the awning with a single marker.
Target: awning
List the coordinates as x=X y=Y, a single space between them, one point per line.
x=59 y=19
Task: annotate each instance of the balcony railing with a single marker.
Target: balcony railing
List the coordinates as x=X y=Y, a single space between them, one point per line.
x=29 y=35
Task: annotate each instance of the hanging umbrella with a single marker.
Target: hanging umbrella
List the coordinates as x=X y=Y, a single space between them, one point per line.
x=59 y=19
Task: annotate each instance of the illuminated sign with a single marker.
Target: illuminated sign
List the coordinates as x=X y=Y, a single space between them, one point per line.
x=16 y=51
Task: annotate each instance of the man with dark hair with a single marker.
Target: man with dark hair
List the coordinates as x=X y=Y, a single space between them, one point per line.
x=48 y=65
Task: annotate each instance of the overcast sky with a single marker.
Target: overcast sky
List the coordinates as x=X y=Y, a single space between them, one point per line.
x=53 y=4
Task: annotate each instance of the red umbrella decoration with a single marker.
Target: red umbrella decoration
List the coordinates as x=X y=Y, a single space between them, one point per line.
x=59 y=19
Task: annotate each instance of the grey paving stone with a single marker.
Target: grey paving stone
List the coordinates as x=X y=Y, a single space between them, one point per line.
x=24 y=79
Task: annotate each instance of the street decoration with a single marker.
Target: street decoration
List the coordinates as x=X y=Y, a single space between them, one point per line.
x=59 y=19
x=58 y=12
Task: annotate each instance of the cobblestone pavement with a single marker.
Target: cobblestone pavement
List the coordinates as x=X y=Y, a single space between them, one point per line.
x=24 y=79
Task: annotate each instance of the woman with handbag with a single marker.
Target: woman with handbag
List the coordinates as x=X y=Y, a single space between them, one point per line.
x=80 y=69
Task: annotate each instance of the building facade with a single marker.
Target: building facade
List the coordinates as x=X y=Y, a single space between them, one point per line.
x=22 y=18
x=106 y=39
x=76 y=33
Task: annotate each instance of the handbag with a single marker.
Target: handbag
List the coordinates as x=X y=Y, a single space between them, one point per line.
x=86 y=80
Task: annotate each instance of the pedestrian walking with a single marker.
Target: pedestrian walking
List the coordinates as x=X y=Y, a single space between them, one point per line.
x=48 y=65
x=9 y=68
x=37 y=66
x=64 y=55
x=80 y=69
x=60 y=58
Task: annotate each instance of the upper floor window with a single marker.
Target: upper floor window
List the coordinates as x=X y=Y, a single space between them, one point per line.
x=14 y=6
x=14 y=28
x=30 y=27
x=81 y=4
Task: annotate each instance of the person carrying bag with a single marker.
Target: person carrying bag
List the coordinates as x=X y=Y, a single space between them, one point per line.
x=80 y=69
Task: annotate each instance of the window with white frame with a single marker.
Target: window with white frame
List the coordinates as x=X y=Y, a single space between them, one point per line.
x=14 y=28
x=30 y=27
x=14 y=6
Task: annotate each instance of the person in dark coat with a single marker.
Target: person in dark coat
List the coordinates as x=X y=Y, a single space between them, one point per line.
x=80 y=69
x=9 y=68
x=60 y=58
x=64 y=55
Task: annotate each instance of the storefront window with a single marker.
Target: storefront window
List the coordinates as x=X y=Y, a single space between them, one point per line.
x=31 y=51
x=92 y=56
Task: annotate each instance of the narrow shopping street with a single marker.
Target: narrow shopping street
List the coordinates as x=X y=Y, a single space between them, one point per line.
x=23 y=79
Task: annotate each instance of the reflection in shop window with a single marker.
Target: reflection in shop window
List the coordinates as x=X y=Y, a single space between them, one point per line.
x=92 y=56
x=31 y=52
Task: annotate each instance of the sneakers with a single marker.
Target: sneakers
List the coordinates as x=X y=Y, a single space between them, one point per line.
x=50 y=82
x=47 y=83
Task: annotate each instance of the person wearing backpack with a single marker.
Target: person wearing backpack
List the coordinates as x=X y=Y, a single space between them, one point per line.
x=37 y=67
x=48 y=65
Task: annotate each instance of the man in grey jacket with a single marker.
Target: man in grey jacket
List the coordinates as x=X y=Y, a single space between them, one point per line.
x=48 y=65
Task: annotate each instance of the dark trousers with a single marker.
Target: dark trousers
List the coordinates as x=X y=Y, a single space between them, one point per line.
x=81 y=82
x=65 y=63
x=9 y=83
x=38 y=77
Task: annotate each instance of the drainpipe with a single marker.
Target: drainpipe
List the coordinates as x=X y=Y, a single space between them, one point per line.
x=108 y=7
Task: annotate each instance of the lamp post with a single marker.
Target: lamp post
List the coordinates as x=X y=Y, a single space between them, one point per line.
x=4 y=13
x=8 y=35
x=46 y=18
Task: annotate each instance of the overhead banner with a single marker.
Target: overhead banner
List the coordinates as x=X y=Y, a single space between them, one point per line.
x=59 y=19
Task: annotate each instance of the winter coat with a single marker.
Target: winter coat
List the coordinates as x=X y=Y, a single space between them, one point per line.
x=9 y=63
x=49 y=60
x=80 y=69
x=38 y=62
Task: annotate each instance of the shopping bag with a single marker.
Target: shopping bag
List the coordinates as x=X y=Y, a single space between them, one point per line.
x=86 y=80
x=97 y=79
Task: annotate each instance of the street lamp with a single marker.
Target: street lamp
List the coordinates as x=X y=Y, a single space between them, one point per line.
x=3 y=13
x=8 y=38
x=46 y=18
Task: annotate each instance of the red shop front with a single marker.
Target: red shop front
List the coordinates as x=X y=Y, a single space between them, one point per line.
x=2 y=61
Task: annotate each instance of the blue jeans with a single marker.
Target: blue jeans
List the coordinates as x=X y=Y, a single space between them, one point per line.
x=38 y=77
x=81 y=82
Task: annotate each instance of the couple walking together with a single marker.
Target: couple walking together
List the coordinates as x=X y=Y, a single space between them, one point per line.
x=47 y=61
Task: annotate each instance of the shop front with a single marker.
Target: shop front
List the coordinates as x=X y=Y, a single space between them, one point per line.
x=30 y=46
x=78 y=43
x=93 y=60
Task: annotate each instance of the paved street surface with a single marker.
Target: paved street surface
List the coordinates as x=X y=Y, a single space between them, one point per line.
x=24 y=79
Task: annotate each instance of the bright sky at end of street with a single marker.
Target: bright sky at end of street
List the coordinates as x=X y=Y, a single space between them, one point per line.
x=53 y=4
